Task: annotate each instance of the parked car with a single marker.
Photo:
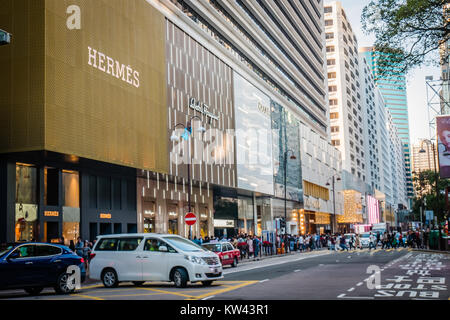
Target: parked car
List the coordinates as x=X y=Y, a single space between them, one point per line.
x=35 y=266
x=228 y=255
x=365 y=239
x=348 y=237
x=139 y=258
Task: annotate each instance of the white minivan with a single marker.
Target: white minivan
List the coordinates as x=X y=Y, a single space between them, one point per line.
x=145 y=257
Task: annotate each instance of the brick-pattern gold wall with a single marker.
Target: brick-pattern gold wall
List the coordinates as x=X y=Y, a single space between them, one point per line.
x=193 y=71
x=92 y=114
x=82 y=110
x=22 y=76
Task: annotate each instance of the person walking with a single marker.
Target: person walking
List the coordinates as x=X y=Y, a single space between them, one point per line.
x=86 y=254
x=72 y=245
x=351 y=242
x=256 y=247
x=250 y=247
x=343 y=243
x=357 y=242
x=372 y=243
x=79 y=247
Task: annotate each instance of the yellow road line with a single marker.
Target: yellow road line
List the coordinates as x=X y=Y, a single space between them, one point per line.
x=86 y=296
x=169 y=292
x=244 y=284
x=131 y=295
x=93 y=286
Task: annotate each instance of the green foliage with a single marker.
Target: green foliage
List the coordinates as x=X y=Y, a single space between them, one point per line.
x=408 y=31
x=425 y=190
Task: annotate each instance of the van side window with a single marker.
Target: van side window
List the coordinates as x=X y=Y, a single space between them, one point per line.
x=129 y=244
x=152 y=244
x=108 y=244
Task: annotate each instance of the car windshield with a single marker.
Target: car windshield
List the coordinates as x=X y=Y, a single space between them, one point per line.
x=214 y=247
x=365 y=235
x=184 y=244
x=3 y=252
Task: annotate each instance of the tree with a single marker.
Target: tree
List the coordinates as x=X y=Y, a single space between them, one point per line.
x=408 y=32
x=425 y=190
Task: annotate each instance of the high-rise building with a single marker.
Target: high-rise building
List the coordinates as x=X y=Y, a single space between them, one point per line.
x=347 y=112
x=385 y=168
x=392 y=85
x=422 y=161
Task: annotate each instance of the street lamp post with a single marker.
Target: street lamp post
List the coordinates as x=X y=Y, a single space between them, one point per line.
x=334 y=198
x=293 y=157
x=422 y=150
x=188 y=127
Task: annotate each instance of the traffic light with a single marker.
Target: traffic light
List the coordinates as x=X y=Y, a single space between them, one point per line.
x=282 y=223
x=5 y=37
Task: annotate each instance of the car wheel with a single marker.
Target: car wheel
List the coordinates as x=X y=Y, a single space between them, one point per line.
x=207 y=283
x=235 y=262
x=33 y=291
x=138 y=283
x=61 y=286
x=180 y=278
x=110 y=279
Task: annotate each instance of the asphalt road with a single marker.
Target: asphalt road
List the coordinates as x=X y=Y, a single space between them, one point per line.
x=355 y=275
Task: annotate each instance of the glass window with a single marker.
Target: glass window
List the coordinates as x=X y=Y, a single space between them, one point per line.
x=183 y=244
x=329 y=35
x=229 y=247
x=51 y=186
x=129 y=244
x=328 y=9
x=71 y=183
x=214 y=247
x=26 y=184
x=44 y=250
x=108 y=244
x=26 y=251
x=328 y=22
x=152 y=244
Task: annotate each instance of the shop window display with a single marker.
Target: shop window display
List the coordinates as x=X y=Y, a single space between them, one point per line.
x=26 y=213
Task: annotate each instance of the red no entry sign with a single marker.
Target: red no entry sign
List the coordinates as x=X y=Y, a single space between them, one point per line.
x=190 y=218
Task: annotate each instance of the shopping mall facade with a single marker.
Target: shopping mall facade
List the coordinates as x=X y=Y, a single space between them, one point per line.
x=95 y=90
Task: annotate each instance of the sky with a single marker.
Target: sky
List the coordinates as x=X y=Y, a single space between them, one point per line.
x=416 y=86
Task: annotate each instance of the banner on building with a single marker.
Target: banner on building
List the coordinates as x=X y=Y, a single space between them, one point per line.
x=373 y=210
x=443 y=142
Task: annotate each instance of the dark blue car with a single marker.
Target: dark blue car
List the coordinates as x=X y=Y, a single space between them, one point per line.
x=34 y=266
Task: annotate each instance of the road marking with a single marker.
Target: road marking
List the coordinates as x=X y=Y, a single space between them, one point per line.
x=208 y=297
x=93 y=286
x=349 y=257
x=216 y=292
x=86 y=296
x=276 y=263
x=359 y=284
x=351 y=289
x=297 y=270
x=264 y=280
x=170 y=292
x=343 y=296
x=131 y=295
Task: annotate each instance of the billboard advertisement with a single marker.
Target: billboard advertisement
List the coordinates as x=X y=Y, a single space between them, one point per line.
x=443 y=142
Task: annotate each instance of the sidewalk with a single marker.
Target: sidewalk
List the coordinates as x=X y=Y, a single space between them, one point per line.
x=431 y=251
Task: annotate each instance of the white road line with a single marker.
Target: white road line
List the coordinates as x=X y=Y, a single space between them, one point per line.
x=349 y=257
x=297 y=270
x=341 y=295
x=359 y=284
x=356 y=297
x=351 y=289
x=208 y=298
x=273 y=264
x=264 y=280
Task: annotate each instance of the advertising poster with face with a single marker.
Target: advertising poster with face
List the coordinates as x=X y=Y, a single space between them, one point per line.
x=443 y=142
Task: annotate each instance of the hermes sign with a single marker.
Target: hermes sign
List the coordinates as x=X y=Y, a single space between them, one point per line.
x=113 y=67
